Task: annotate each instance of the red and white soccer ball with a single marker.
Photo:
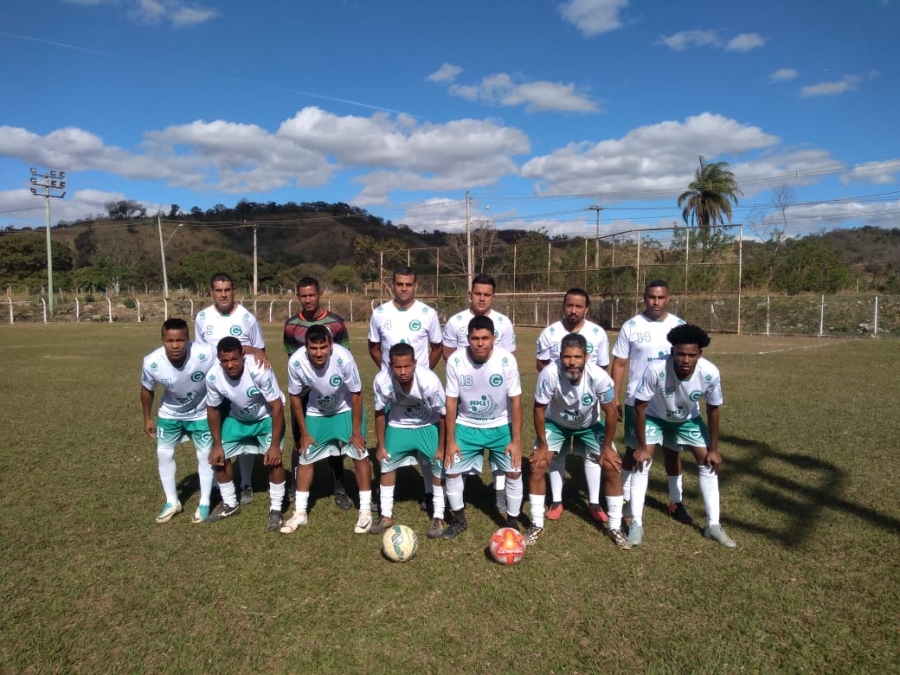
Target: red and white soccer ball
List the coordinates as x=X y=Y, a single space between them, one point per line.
x=507 y=546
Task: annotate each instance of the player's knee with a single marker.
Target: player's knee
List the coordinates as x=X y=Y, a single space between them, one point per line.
x=513 y=476
x=611 y=463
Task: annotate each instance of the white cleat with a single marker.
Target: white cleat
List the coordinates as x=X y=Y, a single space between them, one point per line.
x=291 y=524
x=364 y=522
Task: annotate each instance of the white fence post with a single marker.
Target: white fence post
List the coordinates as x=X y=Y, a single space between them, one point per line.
x=351 y=310
x=77 y=310
x=192 y=308
x=270 y=310
x=768 y=312
x=822 y=317
x=44 y=303
x=11 y=315
x=166 y=311
x=875 y=329
x=109 y=308
x=138 y=303
x=290 y=304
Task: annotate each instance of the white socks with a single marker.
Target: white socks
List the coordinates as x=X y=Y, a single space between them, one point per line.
x=709 y=490
x=455 y=492
x=276 y=496
x=365 y=500
x=675 y=489
x=537 y=509
x=614 y=511
x=386 y=500
x=592 y=476
x=166 y=460
x=514 y=494
x=557 y=472
x=229 y=497
x=206 y=473
x=301 y=501
x=640 y=480
x=438 y=501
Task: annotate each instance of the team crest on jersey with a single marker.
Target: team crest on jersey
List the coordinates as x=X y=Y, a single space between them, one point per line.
x=197 y=376
x=336 y=380
x=340 y=361
x=326 y=402
x=696 y=395
x=496 y=380
x=296 y=364
x=504 y=361
x=587 y=399
x=211 y=377
x=590 y=348
x=201 y=357
x=417 y=411
x=252 y=392
x=708 y=378
x=153 y=366
x=236 y=330
x=415 y=324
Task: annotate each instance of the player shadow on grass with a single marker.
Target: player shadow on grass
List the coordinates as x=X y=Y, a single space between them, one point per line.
x=803 y=502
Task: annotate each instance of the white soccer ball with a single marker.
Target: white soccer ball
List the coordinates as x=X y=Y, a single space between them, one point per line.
x=399 y=543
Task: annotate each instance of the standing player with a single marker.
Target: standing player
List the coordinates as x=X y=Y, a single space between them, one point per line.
x=405 y=319
x=333 y=422
x=253 y=424
x=667 y=413
x=641 y=340
x=566 y=400
x=410 y=422
x=295 y=327
x=226 y=318
x=484 y=409
x=576 y=304
x=456 y=333
x=180 y=367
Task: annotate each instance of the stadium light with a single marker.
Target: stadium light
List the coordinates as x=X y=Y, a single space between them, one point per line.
x=51 y=189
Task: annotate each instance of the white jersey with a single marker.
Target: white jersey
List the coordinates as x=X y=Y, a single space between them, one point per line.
x=184 y=396
x=211 y=326
x=597 y=342
x=573 y=406
x=456 y=332
x=329 y=387
x=418 y=325
x=249 y=395
x=674 y=400
x=483 y=390
x=642 y=341
x=422 y=406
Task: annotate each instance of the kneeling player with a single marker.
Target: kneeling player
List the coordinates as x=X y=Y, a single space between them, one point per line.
x=666 y=412
x=484 y=410
x=180 y=367
x=565 y=410
x=254 y=425
x=410 y=421
x=333 y=423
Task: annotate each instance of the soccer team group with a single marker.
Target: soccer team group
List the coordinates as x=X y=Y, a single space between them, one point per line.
x=221 y=393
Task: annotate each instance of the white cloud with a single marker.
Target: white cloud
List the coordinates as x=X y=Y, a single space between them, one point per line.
x=446 y=73
x=878 y=173
x=848 y=83
x=783 y=75
x=650 y=162
x=174 y=12
x=537 y=96
x=593 y=17
x=190 y=16
x=691 y=38
x=745 y=42
x=21 y=206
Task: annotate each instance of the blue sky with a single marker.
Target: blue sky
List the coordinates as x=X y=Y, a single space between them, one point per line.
x=538 y=108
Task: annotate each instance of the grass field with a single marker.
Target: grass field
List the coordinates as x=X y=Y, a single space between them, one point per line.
x=91 y=584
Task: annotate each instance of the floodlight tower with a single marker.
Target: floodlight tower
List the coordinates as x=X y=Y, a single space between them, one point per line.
x=48 y=186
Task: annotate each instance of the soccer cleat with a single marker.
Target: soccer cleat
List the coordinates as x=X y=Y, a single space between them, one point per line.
x=247 y=496
x=363 y=523
x=619 y=539
x=597 y=513
x=381 y=525
x=513 y=522
x=291 y=524
x=635 y=534
x=436 y=529
x=454 y=529
x=679 y=513
x=343 y=501
x=223 y=511
x=201 y=514
x=555 y=511
x=532 y=534
x=168 y=512
x=717 y=533
x=274 y=523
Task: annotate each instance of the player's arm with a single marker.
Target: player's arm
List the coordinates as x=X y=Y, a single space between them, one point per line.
x=214 y=419
x=713 y=457
x=540 y=364
x=514 y=449
x=618 y=376
x=375 y=352
x=304 y=441
x=442 y=438
x=435 y=354
x=259 y=355
x=273 y=454
x=451 y=449
x=641 y=453
x=609 y=459
x=147 y=409
x=447 y=351
x=381 y=453
x=356 y=405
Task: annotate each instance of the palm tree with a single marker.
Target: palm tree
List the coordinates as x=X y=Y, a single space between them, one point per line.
x=708 y=199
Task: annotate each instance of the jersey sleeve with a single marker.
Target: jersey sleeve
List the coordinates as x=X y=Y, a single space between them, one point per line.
x=647 y=389
x=434 y=329
x=296 y=385
x=452 y=389
x=622 y=348
x=546 y=385
x=351 y=376
x=603 y=350
x=513 y=381
x=290 y=345
x=214 y=397
x=508 y=338
x=268 y=385
x=606 y=394
x=713 y=392
x=148 y=382
x=449 y=336
x=543 y=352
x=437 y=400
x=256 y=337
x=382 y=396
x=342 y=337
x=374 y=333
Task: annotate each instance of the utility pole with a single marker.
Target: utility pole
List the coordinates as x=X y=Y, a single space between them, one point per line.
x=53 y=182
x=162 y=252
x=255 y=266
x=598 y=209
x=469 y=260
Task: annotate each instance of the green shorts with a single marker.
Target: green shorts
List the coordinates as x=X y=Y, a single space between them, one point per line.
x=406 y=445
x=170 y=433
x=692 y=433
x=246 y=438
x=473 y=441
x=584 y=442
x=332 y=434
